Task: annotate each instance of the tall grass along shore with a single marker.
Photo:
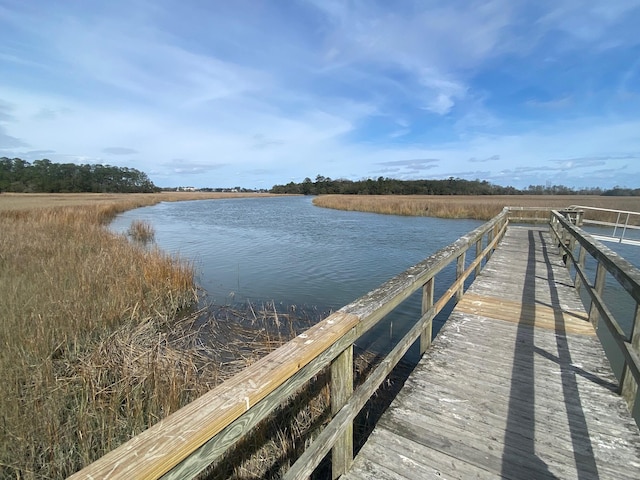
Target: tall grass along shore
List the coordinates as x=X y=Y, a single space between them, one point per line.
x=479 y=207
x=100 y=337
x=95 y=332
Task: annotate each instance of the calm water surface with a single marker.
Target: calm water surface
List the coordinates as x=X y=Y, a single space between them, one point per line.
x=286 y=250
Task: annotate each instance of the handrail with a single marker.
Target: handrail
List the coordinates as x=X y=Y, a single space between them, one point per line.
x=189 y=440
x=626 y=221
x=626 y=274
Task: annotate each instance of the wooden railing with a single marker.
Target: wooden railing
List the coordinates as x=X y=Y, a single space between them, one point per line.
x=569 y=237
x=624 y=228
x=189 y=440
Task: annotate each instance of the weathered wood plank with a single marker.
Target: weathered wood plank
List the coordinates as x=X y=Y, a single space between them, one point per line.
x=516 y=385
x=535 y=315
x=341 y=389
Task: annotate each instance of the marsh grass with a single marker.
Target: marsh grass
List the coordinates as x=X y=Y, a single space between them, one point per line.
x=77 y=303
x=141 y=231
x=474 y=207
x=97 y=335
x=99 y=341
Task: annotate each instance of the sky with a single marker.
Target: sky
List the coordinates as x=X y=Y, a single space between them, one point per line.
x=255 y=93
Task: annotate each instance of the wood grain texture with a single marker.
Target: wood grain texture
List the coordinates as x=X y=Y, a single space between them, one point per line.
x=541 y=316
x=515 y=385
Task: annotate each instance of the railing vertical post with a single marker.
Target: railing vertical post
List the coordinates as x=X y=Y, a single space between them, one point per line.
x=489 y=240
x=581 y=261
x=427 y=303
x=459 y=273
x=628 y=385
x=598 y=286
x=624 y=230
x=615 y=227
x=341 y=389
x=478 y=252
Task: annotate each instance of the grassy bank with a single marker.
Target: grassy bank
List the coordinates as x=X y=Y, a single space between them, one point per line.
x=117 y=202
x=94 y=342
x=475 y=207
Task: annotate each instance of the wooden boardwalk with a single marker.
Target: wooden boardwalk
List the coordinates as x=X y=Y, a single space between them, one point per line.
x=516 y=385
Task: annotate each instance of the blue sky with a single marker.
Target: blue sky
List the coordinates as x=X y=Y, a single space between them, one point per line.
x=255 y=93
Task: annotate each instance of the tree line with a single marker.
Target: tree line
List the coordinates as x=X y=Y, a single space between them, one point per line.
x=450 y=186
x=44 y=176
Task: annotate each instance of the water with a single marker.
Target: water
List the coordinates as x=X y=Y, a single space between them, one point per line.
x=284 y=249
x=287 y=251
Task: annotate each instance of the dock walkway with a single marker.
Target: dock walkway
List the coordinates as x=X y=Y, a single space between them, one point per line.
x=516 y=385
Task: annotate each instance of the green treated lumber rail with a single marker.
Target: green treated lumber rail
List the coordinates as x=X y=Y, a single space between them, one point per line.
x=189 y=440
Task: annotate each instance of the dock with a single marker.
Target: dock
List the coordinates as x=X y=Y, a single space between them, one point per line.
x=516 y=385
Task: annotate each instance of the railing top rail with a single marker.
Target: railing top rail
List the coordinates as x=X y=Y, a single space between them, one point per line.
x=377 y=303
x=627 y=274
x=604 y=209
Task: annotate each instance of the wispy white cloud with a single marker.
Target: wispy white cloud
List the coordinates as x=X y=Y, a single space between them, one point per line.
x=284 y=90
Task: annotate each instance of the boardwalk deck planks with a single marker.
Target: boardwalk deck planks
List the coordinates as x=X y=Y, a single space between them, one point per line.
x=516 y=385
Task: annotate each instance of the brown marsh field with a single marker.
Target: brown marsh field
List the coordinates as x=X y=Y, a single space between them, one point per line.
x=97 y=330
x=118 y=201
x=461 y=206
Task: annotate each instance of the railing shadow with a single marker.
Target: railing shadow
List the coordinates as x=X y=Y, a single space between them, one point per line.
x=520 y=435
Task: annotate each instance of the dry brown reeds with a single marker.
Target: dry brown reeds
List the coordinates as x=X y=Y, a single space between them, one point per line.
x=141 y=231
x=91 y=347
x=30 y=201
x=482 y=207
x=73 y=295
x=97 y=343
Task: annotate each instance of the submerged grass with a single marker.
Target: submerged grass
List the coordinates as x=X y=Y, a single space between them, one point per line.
x=141 y=231
x=482 y=207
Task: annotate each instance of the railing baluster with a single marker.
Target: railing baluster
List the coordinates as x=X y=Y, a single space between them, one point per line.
x=624 y=230
x=628 y=385
x=341 y=389
x=459 y=272
x=581 y=261
x=427 y=303
x=478 y=252
x=489 y=240
x=598 y=286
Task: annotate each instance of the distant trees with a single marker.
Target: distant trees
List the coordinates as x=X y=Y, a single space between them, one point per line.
x=44 y=176
x=560 y=190
x=623 y=192
x=449 y=186
x=390 y=186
